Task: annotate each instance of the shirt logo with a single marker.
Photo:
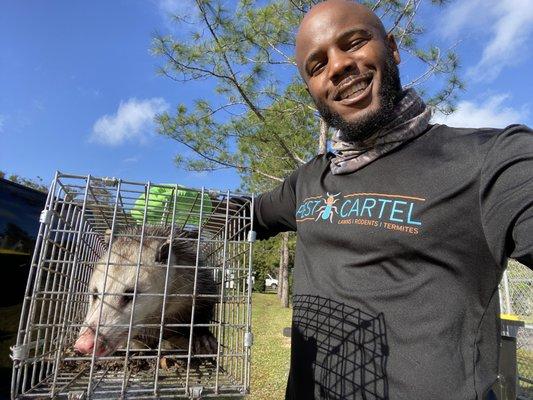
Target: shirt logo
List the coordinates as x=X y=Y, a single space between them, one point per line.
x=328 y=209
x=378 y=210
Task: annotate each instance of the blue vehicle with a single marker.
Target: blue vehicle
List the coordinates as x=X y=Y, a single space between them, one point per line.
x=20 y=207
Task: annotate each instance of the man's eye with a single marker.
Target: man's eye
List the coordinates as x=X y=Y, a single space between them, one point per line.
x=317 y=69
x=356 y=44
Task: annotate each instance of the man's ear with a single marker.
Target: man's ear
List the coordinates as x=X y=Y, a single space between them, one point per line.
x=393 y=47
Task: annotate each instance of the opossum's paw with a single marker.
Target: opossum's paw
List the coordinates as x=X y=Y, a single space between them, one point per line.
x=136 y=344
x=175 y=342
x=205 y=343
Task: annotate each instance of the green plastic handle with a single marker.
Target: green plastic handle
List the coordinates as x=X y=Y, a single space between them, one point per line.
x=161 y=203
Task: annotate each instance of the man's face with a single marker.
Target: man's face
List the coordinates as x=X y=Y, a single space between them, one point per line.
x=349 y=66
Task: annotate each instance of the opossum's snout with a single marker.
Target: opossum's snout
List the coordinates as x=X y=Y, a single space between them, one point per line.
x=112 y=323
x=86 y=342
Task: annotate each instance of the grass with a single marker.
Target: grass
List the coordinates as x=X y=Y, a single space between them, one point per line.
x=271 y=350
x=525 y=368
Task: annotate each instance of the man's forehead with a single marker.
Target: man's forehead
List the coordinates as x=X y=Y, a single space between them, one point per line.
x=332 y=17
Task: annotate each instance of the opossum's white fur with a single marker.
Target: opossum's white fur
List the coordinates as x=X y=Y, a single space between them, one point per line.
x=121 y=277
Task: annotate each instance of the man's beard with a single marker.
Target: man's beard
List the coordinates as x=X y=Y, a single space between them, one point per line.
x=388 y=94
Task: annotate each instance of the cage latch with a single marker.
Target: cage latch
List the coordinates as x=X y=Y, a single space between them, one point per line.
x=19 y=353
x=45 y=217
x=251 y=236
x=76 y=395
x=248 y=339
x=195 y=392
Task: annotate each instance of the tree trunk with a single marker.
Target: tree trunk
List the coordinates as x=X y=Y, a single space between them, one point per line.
x=285 y=276
x=323 y=138
x=280 y=270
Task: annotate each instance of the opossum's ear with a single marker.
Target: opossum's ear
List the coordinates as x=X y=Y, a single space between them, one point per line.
x=162 y=253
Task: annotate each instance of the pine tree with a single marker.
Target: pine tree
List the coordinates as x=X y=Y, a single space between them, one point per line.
x=262 y=122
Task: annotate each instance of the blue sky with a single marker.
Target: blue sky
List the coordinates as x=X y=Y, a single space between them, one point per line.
x=79 y=89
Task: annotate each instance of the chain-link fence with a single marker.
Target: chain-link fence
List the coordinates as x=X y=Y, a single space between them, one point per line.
x=516 y=299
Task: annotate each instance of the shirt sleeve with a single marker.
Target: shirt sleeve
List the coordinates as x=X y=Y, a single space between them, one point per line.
x=506 y=195
x=275 y=211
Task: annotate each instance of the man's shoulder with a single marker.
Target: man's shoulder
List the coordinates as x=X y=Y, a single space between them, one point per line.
x=478 y=137
x=477 y=133
x=316 y=164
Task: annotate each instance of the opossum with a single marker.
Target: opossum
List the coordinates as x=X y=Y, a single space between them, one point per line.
x=121 y=277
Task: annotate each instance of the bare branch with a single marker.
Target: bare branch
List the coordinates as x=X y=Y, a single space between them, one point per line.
x=288 y=58
x=376 y=5
x=409 y=24
x=400 y=16
x=202 y=71
x=427 y=74
x=227 y=164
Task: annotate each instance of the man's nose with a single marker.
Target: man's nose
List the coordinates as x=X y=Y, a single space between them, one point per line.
x=341 y=63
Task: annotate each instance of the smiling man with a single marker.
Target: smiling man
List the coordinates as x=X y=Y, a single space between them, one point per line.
x=404 y=230
x=355 y=97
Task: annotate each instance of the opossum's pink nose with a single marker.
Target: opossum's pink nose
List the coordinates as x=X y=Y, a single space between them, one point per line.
x=85 y=343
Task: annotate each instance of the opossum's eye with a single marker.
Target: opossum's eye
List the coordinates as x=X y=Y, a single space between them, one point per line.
x=95 y=296
x=127 y=297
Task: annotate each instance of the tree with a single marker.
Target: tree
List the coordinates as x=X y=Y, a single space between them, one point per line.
x=265 y=260
x=262 y=122
x=36 y=184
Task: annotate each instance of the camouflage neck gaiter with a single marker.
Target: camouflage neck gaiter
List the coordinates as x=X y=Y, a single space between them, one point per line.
x=411 y=119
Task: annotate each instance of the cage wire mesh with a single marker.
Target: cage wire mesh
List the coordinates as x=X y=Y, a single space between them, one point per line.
x=95 y=325
x=516 y=298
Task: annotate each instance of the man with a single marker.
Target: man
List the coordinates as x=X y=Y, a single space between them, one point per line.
x=403 y=232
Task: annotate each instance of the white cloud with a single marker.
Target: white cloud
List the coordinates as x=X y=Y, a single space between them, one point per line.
x=133 y=120
x=490 y=113
x=459 y=15
x=187 y=10
x=172 y=7
x=509 y=24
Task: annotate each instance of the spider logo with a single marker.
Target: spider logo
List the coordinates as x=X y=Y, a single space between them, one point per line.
x=326 y=211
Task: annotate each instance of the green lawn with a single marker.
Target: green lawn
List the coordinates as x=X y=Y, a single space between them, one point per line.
x=271 y=350
x=525 y=369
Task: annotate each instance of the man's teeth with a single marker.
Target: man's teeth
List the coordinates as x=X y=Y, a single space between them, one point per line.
x=355 y=89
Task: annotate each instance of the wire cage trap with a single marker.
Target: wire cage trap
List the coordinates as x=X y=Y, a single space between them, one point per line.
x=137 y=290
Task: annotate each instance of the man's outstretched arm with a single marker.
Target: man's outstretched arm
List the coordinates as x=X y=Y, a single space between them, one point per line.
x=506 y=195
x=274 y=211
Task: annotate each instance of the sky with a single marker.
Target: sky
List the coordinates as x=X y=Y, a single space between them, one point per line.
x=79 y=88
